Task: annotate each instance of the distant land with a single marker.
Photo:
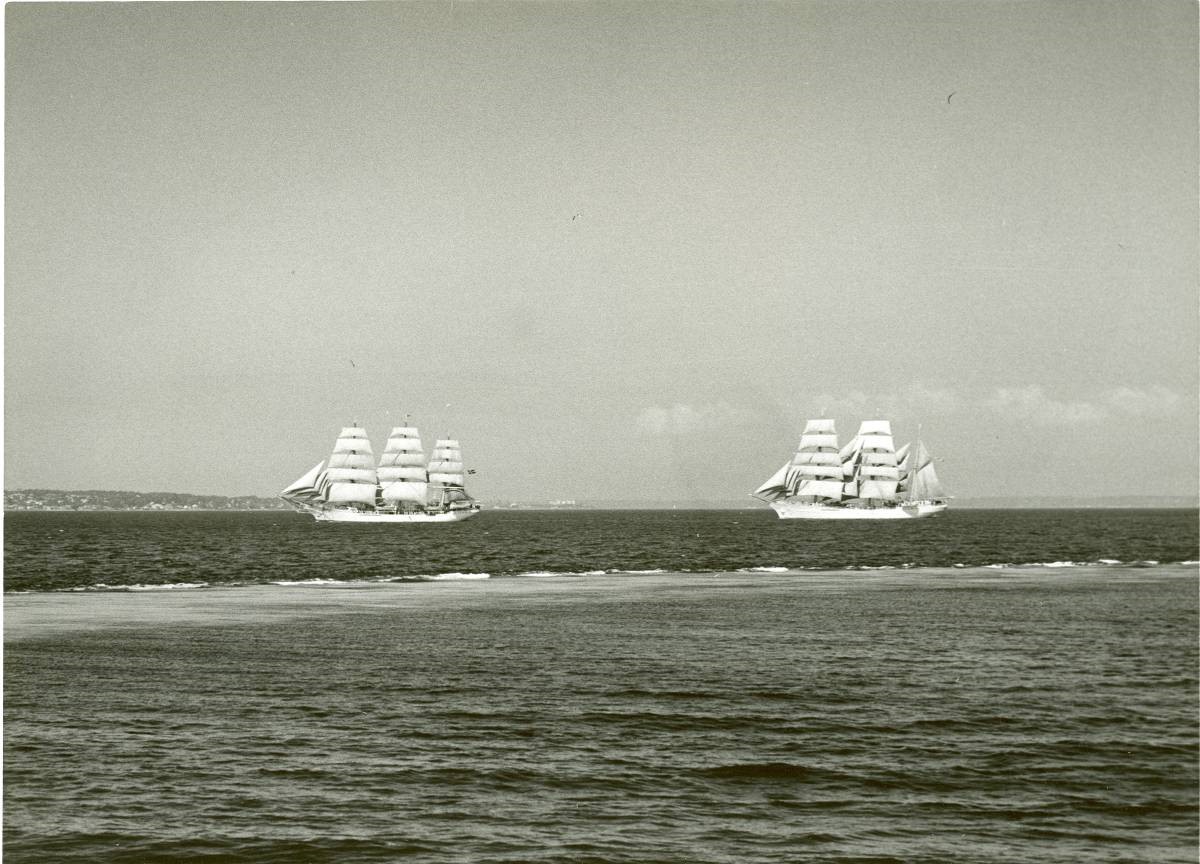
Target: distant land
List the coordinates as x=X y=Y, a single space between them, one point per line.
x=89 y=500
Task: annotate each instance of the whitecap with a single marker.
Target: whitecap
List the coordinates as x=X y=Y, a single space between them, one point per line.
x=451 y=577
x=171 y=587
x=764 y=570
x=308 y=582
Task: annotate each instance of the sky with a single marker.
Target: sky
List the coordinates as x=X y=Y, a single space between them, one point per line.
x=621 y=251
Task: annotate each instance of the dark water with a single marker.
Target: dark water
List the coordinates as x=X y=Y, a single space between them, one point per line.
x=946 y=710
x=59 y=551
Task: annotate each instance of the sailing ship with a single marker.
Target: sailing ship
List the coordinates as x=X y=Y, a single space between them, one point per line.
x=868 y=478
x=402 y=487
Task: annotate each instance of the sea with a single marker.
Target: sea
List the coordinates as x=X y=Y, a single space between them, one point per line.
x=602 y=686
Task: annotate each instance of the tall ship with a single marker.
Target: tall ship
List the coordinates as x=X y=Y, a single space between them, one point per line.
x=868 y=478
x=402 y=487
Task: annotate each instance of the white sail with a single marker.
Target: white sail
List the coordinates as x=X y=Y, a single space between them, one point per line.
x=350 y=475
x=816 y=467
x=353 y=439
x=887 y=472
x=306 y=487
x=884 y=490
x=445 y=463
x=447 y=474
x=816 y=458
x=816 y=442
x=823 y=426
x=776 y=485
x=401 y=490
x=924 y=484
x=403 y=439
x=402 y=473
x=879 y=457
x=866 y=479
x=878 y=442
x=351 y=493
x=872 y=465
x=350 y=487
x=820 y=471
x=402 y=458
x=393 y=473
x=821 y=488
x=351 y=460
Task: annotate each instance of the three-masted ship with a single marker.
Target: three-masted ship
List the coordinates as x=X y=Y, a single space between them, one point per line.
x=868 y=478
x=402 y=487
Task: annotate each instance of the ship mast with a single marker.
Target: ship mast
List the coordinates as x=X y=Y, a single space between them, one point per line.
x=818 y=466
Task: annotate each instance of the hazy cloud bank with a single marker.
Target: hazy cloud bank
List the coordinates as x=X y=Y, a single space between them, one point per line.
x=1028 y=404
x=1032 y=405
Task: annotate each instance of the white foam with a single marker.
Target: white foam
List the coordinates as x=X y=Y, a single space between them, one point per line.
x=172 y=587
x=764 y=570
x=451 y=577
x=309 y=582
x=1109 y=561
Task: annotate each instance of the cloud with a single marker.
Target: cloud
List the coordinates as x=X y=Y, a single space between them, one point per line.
x=1155 y=402
x=684 y=419
x=1031 y=404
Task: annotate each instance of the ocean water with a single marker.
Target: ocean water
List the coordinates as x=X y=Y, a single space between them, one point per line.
x=703 y=686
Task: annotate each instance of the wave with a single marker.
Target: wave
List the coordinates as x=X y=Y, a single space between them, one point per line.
x=293 y=583
x=908 y=568
x=763 y=771
x=172 y=586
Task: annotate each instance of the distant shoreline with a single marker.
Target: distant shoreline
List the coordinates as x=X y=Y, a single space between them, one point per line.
x=610 y=508
x=107 y=501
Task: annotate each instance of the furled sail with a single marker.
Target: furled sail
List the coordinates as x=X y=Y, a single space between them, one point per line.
x=350 y=477
x=401 y=470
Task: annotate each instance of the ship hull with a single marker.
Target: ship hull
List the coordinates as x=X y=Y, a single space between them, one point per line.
x=340 y=515
x=802 y=510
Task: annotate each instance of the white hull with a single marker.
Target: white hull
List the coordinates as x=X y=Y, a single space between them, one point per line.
x=345 y=515
x=803 y=510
